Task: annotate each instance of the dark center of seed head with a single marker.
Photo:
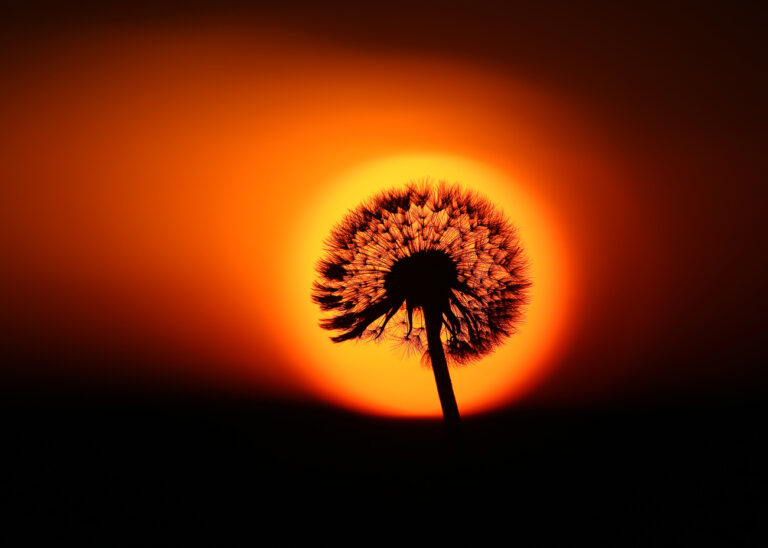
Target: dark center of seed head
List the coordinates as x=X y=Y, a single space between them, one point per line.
x=424 y=279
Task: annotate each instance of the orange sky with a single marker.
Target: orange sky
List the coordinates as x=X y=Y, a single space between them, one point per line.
x=170 y=189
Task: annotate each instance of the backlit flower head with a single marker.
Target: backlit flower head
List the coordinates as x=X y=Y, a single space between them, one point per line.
x=423 y=246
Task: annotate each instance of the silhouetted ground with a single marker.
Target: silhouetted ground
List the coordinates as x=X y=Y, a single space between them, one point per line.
x=654 y=475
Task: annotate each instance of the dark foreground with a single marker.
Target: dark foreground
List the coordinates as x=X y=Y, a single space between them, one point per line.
x=134 y=466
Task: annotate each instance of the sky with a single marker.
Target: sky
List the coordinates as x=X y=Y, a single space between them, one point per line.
x=169 y=172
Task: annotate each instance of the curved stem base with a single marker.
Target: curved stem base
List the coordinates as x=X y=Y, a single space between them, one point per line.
x=434 y=322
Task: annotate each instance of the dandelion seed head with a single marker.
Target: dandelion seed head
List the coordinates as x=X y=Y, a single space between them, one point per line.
x=420 y=246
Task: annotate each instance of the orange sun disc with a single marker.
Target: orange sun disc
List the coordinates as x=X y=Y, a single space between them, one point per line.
x=376 y=379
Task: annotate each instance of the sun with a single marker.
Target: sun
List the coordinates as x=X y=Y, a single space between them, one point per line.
x=376 y=379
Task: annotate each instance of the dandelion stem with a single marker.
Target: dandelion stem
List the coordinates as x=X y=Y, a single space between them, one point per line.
x=434 y=323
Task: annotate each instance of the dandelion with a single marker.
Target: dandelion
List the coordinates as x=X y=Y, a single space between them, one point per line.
x=434 y=267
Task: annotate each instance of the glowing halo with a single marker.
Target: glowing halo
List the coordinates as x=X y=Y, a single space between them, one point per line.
x=375 y=379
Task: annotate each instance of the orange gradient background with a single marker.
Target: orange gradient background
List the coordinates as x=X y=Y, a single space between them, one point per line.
x=169 y=190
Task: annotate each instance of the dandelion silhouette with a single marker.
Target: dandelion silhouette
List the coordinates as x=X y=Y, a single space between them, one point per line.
x=433 y=267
